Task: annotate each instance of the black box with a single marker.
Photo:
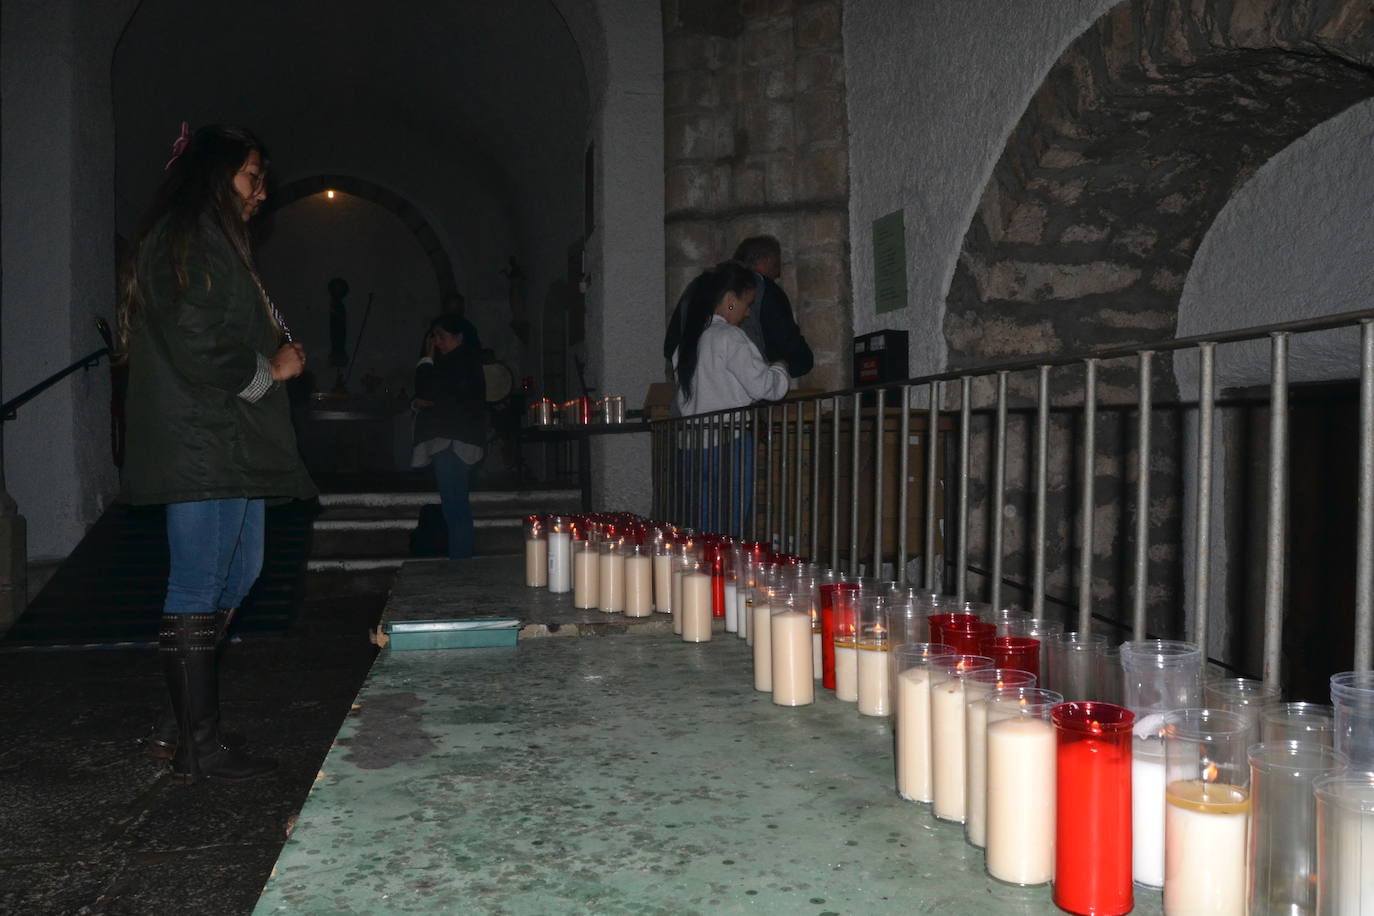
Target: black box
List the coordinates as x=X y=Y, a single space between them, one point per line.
x=880 y=356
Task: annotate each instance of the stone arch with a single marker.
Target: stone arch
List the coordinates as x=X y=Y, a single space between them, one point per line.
x=407 y=212
x=1141 y=132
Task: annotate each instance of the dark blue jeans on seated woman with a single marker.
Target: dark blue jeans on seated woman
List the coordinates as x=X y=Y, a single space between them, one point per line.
x=454 y=477
x=216 y=553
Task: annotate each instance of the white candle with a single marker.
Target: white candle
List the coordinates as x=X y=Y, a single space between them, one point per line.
x=536 y=562
x=696 y=607
x=676 y=599
x=846 y=674
x=816 y=655
x=976 y=763
x=560 y=562
x=612 y=581
x=587 y=592
x=913 y=734
x=663 y=583
x=639 y=582
x=1020 y=828
x=760 y=635
x=1147 y=810
x=790 y=638
x=1351 y=860
x=874 y=687
x=746 y=615
x=731 y=607
x=1204 y=848
x=947 y=749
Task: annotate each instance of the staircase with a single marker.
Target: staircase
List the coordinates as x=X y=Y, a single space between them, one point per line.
x=361 y=536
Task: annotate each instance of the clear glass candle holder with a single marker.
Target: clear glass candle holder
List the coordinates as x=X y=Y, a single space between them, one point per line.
x=978 y=687
x=1040 y=628
x=696 y=603
x=586 y=573
x=1345 y=844
x=1110 y=684
x=1242 y=695
x=790 y=642
x=906 y=617
x=536 y=552
x=1282 y=857
x=1020 y=785
x=559 y=534
x=871 y=639
x=639 y=581
x=1092 y=848
x=1352 y=697
x=829 y=590
x=846 y=623
x=1310 y=723
x=947 y=736
x=1021 y=653
x=1206 y=811
x=663 y=575
x=1073 y=664
x=913 y=669
x=1160 y=674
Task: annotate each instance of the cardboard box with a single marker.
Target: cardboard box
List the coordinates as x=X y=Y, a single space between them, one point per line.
x=472 y=633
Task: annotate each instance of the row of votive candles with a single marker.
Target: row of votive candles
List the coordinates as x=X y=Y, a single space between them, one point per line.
x=1150 y=775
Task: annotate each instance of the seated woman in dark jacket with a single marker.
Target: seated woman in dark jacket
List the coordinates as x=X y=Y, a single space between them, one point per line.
x=450 y=424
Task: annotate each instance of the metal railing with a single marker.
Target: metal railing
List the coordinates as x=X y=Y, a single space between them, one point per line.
x=732 y=472
x=10 y=409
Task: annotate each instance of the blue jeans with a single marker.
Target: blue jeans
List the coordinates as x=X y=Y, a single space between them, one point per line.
x=739 y=464
x=216 y=553
x=452 y=474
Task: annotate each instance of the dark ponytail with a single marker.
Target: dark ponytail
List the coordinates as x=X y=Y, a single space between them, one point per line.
x=707 y=291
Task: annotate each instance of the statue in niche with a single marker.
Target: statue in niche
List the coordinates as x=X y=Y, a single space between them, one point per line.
x=338 y=328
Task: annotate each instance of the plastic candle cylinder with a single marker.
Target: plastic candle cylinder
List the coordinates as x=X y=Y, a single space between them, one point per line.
x=745 y=597
x=732 y=579
x=1073 y=665
x=1311 y=723
x=906 y=617
x=1147 y=800
x=1282 y=857
x=1345 y=844
x=978 y=687
x=1040 y=628
x=761 y=626
x=846 y=650
x=611 y=578
x=1020 y=785
x=1352 y=697
x=871 y=641
x=808 y=600
x=1206 y=812
x=790 y=642
x=947 y=739
x=536 y=553
x=1019 y=653
x=967 y=637
x=717 y=563
x=913 y=665
x=639 y=582
x=1092 y=835
x=684 y=561
x=938 y=622
x=560 y=555
x=1242 y=695
x=587 y=575
x=828 y=591
x=696 y=605
x=663 y=577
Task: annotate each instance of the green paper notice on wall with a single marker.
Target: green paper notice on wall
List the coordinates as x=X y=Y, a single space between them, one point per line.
x=889 y=262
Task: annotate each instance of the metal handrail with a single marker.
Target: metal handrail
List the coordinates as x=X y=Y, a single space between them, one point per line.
x=10 y=409
x=678 y=486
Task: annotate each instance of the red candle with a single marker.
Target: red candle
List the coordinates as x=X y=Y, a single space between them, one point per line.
x=829 y=619
x=1019 y=652
x=1092 y=853
x=965 y=634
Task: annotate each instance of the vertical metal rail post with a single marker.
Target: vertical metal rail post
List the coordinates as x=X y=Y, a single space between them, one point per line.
x=1042 y=485
x=903 y=470
x=1202 y=541
x=999 y=495
x=854 y=485
x=1088 y=507
x=965 y=422
x=1276 y=536
x=815 y=513
x=835 y=486
x=1142 y=496
x=783 y=469
x=719 y=463
x=932 y=456
x=768 y=527
x=725 y=447
x=1364 y=541
x=689 y=438
x=879 y=447
x=737 y=424
x=753 y=418
x=703 y=507
x=797 y=480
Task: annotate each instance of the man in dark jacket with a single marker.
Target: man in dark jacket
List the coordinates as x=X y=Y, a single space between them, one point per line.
x=770 y=324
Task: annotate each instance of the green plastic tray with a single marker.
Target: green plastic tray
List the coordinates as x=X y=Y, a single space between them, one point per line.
x=472 y=633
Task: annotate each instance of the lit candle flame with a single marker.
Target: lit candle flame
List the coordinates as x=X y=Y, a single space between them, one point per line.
x=1210 y=772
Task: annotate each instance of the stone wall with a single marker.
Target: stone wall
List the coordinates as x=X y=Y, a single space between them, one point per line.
x=756 y=141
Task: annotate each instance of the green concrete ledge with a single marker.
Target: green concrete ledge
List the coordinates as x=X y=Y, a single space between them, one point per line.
x=616 y=776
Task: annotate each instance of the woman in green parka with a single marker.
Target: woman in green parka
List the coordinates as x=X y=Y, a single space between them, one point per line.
x=209 y=427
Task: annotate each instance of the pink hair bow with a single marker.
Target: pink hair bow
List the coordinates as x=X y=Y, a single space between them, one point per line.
x=179 y=145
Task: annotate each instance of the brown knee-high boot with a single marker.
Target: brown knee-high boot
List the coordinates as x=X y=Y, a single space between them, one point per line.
x=191 y=666
x=161 y=740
